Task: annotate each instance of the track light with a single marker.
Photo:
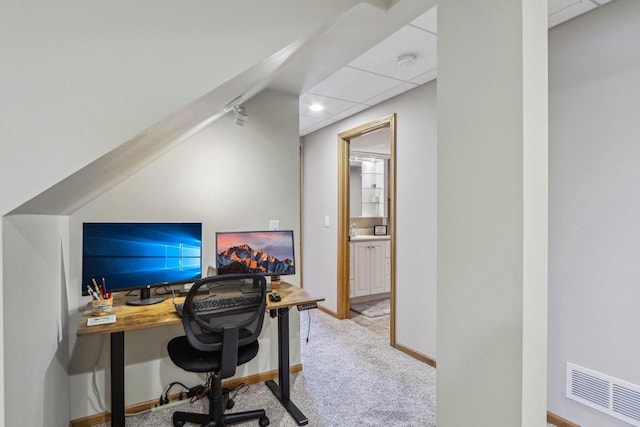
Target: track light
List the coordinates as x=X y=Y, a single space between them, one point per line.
x=231 y=104
x=241 y=115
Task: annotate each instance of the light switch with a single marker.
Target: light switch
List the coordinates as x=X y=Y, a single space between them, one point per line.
x=327 y=223
x=274 y=224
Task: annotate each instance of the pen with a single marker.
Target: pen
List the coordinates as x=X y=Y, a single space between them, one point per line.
x=92 y=292
x=107 y=294
x=95 y=284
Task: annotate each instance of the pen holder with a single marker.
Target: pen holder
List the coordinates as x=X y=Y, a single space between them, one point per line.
x=101 y=306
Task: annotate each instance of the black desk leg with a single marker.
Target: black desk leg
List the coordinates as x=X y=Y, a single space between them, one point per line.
x=282 y=391
x=117 y=379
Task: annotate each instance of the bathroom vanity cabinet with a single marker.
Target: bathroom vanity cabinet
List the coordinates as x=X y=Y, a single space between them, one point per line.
x=369 y=265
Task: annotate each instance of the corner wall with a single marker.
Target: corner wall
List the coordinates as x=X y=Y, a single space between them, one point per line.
x=2 y=362
x=594 y=203
x=416 y=156
x=227 y=177
x=36 y=337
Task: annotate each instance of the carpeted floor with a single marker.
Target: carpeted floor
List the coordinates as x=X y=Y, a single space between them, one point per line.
x=351 y=377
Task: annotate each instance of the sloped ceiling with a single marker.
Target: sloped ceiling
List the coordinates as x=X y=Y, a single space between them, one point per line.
x=225 y=46
x=115 y=166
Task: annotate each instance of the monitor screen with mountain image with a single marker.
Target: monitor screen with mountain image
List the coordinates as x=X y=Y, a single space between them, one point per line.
x=269 y=253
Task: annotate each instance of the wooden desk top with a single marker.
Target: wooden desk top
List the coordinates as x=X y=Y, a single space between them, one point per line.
x=131 y=318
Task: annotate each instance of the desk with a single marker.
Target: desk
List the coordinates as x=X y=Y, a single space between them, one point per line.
x=131 y=318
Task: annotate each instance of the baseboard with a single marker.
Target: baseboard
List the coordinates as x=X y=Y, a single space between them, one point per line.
x=104 y=417
x=327 y=311
x=416 y=355
x=559 y=421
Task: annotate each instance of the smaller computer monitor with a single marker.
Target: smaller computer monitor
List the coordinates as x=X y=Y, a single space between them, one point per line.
x=270 y=253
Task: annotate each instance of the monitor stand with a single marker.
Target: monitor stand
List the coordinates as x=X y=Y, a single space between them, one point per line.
x=251 y=290
x=145 y=298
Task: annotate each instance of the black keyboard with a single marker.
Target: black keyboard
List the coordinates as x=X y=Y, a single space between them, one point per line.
x=222 y=305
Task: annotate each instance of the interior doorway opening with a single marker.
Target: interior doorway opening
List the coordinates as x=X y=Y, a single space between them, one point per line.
x=366 y=216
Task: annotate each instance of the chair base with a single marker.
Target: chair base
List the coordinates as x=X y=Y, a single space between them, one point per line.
x=180 y=418
x=218 y=401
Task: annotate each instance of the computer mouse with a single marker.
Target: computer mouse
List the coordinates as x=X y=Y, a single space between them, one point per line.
x=275 y=297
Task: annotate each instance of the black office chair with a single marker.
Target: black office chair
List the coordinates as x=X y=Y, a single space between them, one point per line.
x=218 y=343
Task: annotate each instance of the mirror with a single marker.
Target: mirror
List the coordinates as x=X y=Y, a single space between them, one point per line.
x=369 y=156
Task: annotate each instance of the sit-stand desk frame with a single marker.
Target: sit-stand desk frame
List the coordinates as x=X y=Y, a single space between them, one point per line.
x=130 y=318
x=282 y=389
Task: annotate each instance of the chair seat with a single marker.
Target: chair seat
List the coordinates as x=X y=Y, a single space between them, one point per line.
x=190 y=359
x=216 y=344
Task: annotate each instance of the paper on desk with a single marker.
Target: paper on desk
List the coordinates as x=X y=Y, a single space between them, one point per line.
x=102 y=320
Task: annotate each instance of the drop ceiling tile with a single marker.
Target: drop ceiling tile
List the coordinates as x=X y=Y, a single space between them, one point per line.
x=353 y=85
x=390 y=93
x=426 y=77
x=582 y=6
x=332 y=106
x=382 y=58
x=428 y=21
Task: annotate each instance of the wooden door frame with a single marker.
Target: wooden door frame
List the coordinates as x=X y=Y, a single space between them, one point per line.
x=344 y=219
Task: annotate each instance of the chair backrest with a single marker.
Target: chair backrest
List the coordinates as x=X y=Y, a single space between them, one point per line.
x=225 y=331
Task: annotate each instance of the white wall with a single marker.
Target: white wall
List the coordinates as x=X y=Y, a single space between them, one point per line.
x=492 y=209
x=2 y=363
x=319 y=199
x=416 y=212
x=594 y=244
x=37 y=333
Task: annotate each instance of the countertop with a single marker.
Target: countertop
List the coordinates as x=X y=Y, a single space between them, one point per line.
x=368 y=238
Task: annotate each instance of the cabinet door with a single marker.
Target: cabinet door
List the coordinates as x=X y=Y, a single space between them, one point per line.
x=377 y=253
x=387 y=262
x=362 y=269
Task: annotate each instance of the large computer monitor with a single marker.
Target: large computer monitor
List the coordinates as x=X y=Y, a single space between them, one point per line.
x=270 y=253
x=141 y=256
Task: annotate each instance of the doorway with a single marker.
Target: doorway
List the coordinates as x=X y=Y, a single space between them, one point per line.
x=378 y=210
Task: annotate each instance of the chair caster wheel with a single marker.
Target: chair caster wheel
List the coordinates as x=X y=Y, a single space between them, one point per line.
x=264 y=421
x=178 y=423
x=230 y=404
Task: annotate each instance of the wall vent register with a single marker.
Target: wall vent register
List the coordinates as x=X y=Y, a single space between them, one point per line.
x=612 y=396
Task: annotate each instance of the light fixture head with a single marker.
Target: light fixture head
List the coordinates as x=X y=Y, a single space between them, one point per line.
x=406 y=59
x=232 y=104
x=316 y=107
x=241 y=115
